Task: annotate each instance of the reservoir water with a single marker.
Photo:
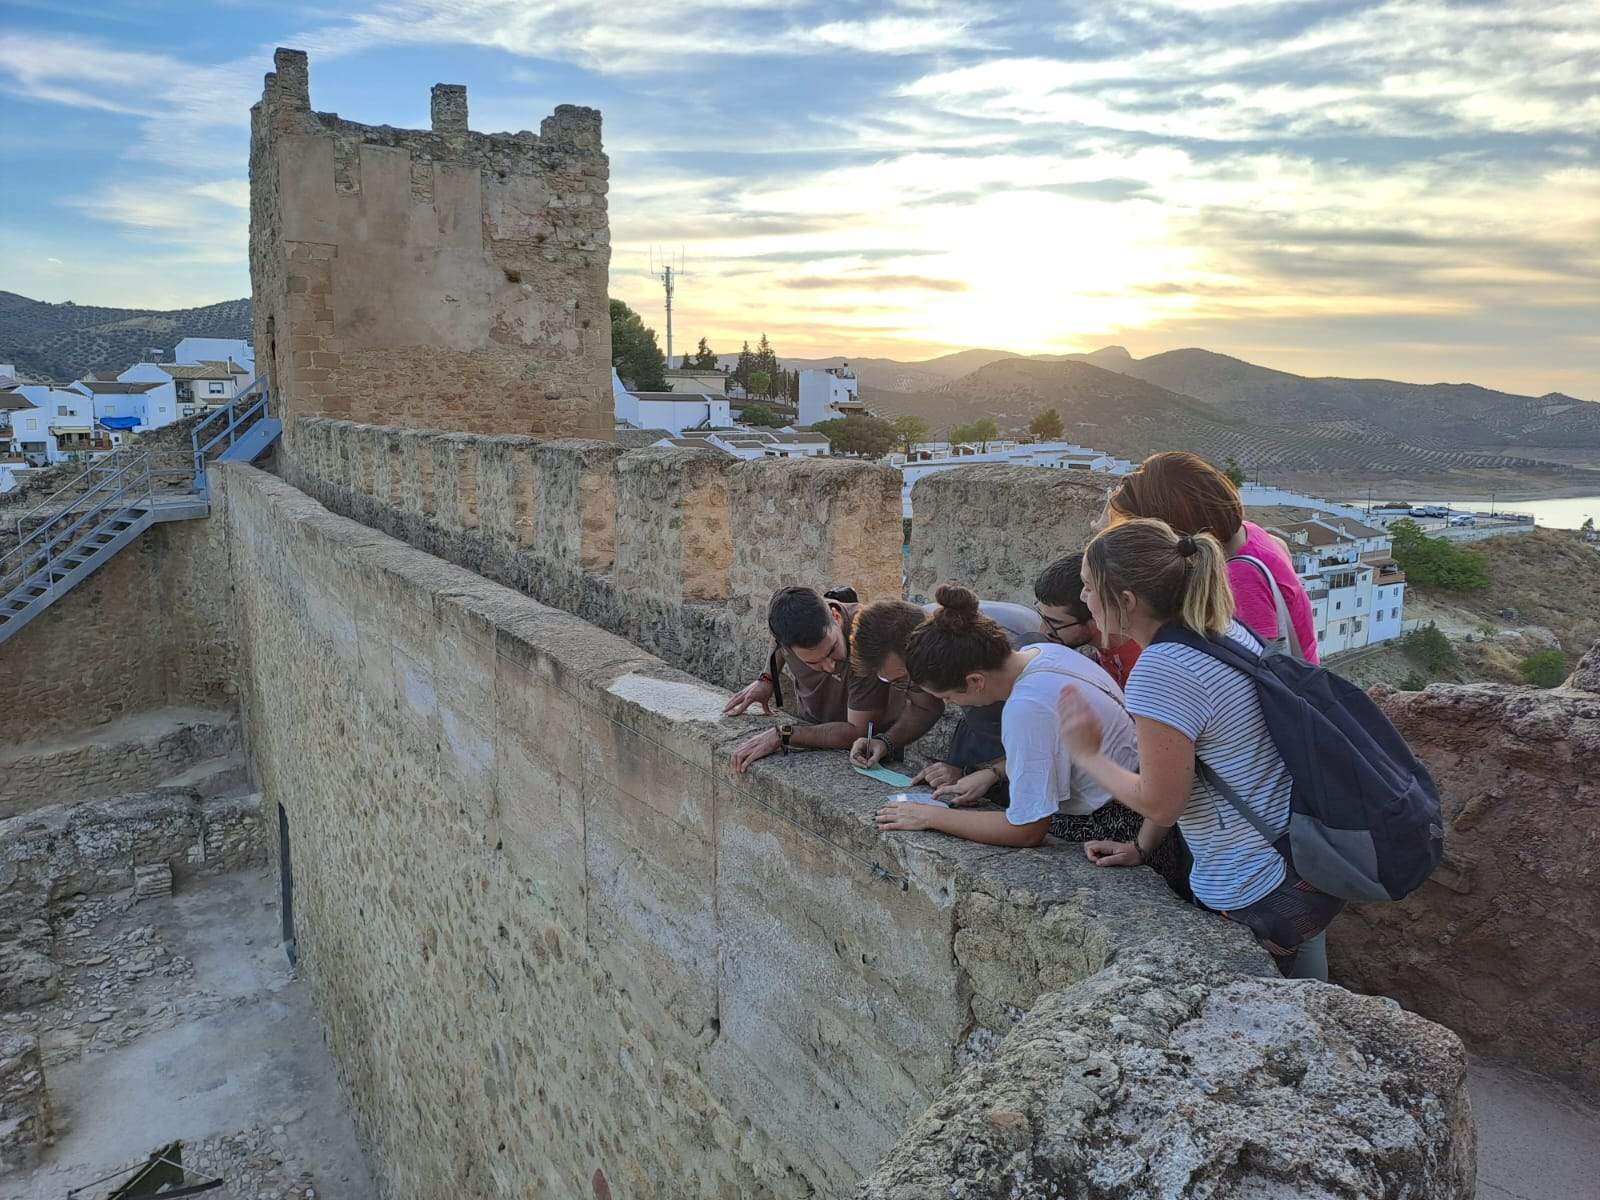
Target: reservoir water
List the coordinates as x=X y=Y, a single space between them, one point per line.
x=1554 y=514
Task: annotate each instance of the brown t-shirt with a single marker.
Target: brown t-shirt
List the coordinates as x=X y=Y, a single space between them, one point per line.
x=824 y=698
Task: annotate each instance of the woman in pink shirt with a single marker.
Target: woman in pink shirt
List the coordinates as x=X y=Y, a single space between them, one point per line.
x=1194 y=497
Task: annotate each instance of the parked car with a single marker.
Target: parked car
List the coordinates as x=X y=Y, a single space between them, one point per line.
x=1464 y=519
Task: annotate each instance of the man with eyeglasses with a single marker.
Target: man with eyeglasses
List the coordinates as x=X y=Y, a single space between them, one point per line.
x=812 y=636
x=1059 y=592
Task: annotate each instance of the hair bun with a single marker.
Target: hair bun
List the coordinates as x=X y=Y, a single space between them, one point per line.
x=958 y=603
x=1186 y=544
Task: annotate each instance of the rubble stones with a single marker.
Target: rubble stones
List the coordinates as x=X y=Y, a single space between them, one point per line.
x=1166 y=1076
x=24 y=1104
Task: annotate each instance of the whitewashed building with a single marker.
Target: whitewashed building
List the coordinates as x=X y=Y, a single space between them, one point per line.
x=196 y=350
x=748 y=444
x=1357 y=590
x=676 y=412
x=828 y=394
x=702 y=381
x=50 y=425
x=133 y=405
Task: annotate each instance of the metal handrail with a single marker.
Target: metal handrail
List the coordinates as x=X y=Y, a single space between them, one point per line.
x=23 y=546
x=232 y=431
x=116 y=504
x=97 y=466
x=227 y=410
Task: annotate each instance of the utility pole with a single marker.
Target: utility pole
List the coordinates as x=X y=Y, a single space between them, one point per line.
x=666 y=279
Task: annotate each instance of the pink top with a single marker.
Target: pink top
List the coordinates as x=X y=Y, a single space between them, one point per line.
x=1252 y=598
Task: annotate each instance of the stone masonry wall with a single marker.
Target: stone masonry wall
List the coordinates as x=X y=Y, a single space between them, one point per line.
x=114 y=759
x=152 y=628
x=676 y=550
x=440 y=278
x=1503 y=943
x=560 y=949
x=994 y=527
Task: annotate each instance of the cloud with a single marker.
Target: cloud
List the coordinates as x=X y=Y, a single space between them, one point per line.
x=876 y=283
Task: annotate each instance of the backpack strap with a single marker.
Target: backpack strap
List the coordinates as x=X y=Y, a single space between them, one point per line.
x=1236 y=802
x=1284 y=627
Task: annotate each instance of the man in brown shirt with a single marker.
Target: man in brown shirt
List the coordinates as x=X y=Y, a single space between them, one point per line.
x=813 y=644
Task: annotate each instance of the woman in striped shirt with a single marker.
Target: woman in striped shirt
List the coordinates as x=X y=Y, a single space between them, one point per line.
x=1138 y=577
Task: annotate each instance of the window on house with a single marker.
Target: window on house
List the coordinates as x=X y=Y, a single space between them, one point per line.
x=1394 y=612
x=214 y=388
x=62 y=410
x=33 y=422
x=1338 y=605
x=109 y=410
x=1341 y=627
x=1358 y=601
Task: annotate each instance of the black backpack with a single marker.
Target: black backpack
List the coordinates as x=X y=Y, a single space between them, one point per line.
x=1364 y=821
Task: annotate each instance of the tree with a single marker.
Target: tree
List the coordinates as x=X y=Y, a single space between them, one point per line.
x=683 y=363
x=705 y=358
x=982 y=431
x=1436 y=562
x=867 y=436
x=634 y=352
x=1546 y=668
x=742 y=369
x=1234 y=472
x=760 y=414
x=1587 y=526
x=1429 y=647
x=1046 y=424
x=909 y=429
x=760 y=383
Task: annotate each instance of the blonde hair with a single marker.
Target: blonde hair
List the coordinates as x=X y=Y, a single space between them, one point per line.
x=1182 y=489
x=1180 y=577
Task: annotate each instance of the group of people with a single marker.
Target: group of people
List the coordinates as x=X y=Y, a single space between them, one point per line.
x=1077 y=717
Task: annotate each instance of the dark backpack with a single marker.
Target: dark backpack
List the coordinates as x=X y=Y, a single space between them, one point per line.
x=1364 y=821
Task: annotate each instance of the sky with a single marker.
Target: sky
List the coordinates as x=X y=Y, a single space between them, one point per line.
x=1404 y=188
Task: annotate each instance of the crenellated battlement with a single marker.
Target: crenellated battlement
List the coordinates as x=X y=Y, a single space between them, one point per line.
x=439 y=278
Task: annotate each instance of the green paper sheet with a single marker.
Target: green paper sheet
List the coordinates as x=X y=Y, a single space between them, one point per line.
x=884 y=775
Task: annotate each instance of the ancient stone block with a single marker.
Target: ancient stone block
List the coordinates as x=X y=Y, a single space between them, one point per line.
x=672 y=534
x=1164 y=1075
x=24 y=1104
x=993 y=528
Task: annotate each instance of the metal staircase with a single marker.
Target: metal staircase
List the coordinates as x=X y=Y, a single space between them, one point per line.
x=69 y=536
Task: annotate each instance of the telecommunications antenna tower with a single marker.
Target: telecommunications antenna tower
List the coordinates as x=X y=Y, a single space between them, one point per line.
x=668 y=276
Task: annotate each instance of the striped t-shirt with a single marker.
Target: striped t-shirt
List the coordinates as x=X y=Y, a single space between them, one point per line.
x=1217 y=708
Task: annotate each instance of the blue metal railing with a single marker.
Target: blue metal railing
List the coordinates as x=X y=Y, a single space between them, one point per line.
x=236 y=421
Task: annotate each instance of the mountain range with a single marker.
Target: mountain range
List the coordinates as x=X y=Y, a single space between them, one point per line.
x=1224 y=407
x=61 y=342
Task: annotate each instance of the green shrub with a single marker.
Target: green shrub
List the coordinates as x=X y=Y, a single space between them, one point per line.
x=1435 y=562
x=1546 y=668
x=1413 y=683
x=1429 y=647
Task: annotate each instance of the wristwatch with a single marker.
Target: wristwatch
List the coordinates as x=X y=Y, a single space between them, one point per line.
x=785 y=732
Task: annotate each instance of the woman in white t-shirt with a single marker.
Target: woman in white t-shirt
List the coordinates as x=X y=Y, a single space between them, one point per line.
x=1189 y=708
x=964 y=657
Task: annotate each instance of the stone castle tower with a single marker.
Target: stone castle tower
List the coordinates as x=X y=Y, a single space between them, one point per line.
x=441 y=278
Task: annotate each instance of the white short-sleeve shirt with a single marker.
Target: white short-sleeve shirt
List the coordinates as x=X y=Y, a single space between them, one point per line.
x=1044 y=779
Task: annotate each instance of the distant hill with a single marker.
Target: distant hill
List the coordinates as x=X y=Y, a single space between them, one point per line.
x=1445 y=416
x=890 y=374
x=61 y=342
x=1132 y=417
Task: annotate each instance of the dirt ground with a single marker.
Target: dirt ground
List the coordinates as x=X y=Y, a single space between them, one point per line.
x=180 y=1018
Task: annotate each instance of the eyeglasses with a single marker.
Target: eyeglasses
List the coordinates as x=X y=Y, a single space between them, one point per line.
x=1053 y=625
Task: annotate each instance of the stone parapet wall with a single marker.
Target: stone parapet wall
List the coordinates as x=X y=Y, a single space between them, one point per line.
x=1503 y=943
x=561 y=949
x=676 y=550
x=437 y=278
x=112 y=760
x=994 y=527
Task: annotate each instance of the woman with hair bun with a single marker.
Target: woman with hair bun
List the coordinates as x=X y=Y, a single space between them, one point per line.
x=1201 y=736
x=1193 y=497
x=961 y=656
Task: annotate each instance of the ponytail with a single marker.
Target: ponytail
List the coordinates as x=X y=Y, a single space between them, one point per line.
x=1180 y=578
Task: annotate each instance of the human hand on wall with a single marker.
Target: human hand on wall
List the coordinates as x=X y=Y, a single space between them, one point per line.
x=1113 y=854
x=967 y=790
x=868 y=752
x=768 y=741
x=759 y=692
x=937 y=774
x=903 y=817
